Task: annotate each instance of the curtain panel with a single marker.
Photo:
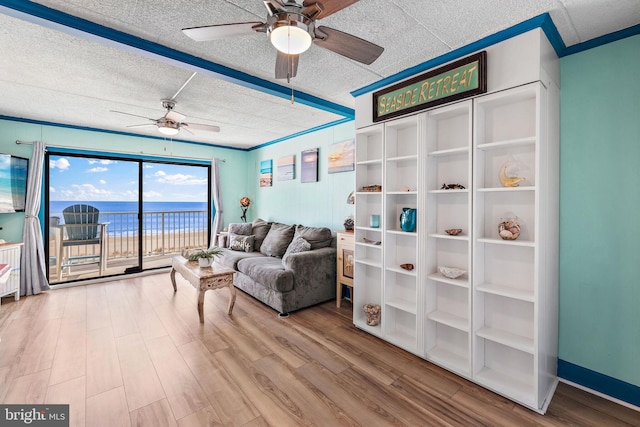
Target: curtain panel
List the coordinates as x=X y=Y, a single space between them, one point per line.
x=33 y=277
x=218 y=217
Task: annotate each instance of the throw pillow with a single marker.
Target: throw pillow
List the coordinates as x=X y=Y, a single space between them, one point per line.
x=318 y=237
x=240 y=228
x=260 y=230
x=277 y=240
x=241 y=243
x=297 y=245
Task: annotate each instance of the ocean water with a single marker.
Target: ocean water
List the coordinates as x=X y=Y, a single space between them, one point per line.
x=122 y=218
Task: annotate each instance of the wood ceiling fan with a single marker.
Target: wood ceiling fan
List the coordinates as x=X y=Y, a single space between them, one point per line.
x=291 y=28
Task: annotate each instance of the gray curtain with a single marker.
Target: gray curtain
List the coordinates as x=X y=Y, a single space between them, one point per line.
x=33 y=278
x=218 y=218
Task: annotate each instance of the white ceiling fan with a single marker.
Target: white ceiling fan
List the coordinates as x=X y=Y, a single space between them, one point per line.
x=291 y=28
x=172 y=122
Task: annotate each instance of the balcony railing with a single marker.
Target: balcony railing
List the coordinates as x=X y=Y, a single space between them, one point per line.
x=163 y=233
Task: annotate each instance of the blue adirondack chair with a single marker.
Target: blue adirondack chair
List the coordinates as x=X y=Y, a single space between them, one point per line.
x=82 y=227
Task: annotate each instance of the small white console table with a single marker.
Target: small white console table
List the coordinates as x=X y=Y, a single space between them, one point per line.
x=10 y=283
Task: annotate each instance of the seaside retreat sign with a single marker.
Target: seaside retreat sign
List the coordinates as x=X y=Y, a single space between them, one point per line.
x=461 y=79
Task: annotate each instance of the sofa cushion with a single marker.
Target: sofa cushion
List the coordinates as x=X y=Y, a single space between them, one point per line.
x=267 y=271
x=318 y=237
x=297 y=245
x=238 y=242
x=260 y=228
x=231 y=258
x=277 y=240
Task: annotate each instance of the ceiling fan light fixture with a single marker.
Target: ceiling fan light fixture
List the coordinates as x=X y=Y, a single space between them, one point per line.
x=169 y=129
x=291 y=35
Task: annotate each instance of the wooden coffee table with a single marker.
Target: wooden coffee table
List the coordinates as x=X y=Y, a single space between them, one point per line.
x=204 y=279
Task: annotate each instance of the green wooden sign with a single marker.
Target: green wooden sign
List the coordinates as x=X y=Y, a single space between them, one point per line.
x=458 y=80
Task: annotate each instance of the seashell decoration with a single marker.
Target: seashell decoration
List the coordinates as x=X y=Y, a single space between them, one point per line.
x=373 y=314
x=509 y=228
x=407 y=267
x=371 y=242
x=446 y=186
x=453 y=231
x=451 y=272
x=376 y=188
x=509 y=174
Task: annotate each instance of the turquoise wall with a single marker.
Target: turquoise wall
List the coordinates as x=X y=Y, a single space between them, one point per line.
x=322 y=203
x=233 y=174
x=600 y=201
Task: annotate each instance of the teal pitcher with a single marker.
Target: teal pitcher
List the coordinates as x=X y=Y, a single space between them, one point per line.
x=408 y=220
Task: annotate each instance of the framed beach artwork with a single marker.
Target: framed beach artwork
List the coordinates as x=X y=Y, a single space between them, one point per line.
x=309 y=166
x=347 y=263
x=341 y=156
x=266 y=173
x=287 y=168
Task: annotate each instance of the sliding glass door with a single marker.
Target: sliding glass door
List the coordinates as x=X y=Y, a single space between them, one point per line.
x=108 y=216
x=175 y=211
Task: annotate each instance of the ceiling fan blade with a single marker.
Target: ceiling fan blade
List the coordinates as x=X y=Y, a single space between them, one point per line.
x=273 y=6
x=286 y=65
x=185 y=128
x=142 y=126
x=328 y=7
x=218 y=32
x=134 y=115
x=199 y=126
x=174 y=116
x=347 y=45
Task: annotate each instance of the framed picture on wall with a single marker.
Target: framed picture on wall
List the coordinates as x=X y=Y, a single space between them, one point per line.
x=287 y=168
x=266 y=173
x=341 y=156
x=309 y=166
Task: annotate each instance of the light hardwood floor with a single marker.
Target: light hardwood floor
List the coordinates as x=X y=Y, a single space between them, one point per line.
x=131 y=352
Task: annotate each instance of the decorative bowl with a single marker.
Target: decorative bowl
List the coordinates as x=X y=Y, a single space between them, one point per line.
x=453 y=231
x=451 y=272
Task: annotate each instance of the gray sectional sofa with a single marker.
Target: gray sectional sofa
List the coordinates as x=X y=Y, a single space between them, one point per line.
x=287 y=267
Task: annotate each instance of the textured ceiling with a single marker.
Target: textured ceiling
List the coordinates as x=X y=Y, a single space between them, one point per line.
x=55 y=74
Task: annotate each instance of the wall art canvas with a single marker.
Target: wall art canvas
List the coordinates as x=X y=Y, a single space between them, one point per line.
x=266 y=173
x=309 y=166
x=287 y=168
x=341 y=156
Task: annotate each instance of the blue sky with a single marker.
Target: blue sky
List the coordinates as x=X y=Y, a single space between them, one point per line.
x=86 y=179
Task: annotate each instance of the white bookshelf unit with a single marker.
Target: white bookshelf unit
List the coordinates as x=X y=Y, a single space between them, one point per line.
x=368 y=240
x=448 y=301
x=515 y=282
x=497 y=323
x=401 y=190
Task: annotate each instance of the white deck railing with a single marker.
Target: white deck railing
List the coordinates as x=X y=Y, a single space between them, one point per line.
x=162 y=233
